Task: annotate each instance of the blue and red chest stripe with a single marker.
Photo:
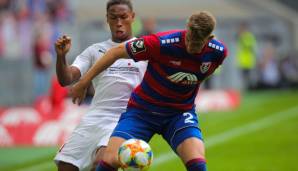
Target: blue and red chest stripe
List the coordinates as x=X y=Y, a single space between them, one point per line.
x=164 y=88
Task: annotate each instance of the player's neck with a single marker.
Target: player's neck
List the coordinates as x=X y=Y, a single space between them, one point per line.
x=116 y=40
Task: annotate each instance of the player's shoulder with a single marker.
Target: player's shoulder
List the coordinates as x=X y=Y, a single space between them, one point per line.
x=217 y=46
x=170 y=37
x=102 y=47
x=170 y=33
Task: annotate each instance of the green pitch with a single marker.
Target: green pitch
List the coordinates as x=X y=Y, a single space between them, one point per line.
x=262 y=135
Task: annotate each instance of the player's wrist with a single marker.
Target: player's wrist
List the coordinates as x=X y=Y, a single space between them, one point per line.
x=84 y=83
x=61 y=55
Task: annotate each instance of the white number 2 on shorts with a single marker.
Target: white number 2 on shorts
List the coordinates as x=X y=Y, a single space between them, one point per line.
x=188 y=118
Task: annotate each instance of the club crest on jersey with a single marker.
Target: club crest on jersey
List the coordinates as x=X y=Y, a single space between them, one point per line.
x=137 y=46
x=205 y=67
x=184 y=78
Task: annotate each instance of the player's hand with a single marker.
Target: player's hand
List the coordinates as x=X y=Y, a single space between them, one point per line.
x=78 y=93
x=63 y=45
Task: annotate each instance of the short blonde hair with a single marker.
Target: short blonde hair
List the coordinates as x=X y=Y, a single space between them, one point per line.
x=201 y=26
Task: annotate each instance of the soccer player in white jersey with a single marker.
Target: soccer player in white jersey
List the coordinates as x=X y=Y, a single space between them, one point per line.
x=112 y=90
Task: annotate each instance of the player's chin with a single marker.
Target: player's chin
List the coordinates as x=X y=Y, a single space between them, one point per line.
x=121 y=36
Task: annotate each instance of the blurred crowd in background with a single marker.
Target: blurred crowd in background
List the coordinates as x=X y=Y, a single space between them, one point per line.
x=29 y=28
x=264 y=68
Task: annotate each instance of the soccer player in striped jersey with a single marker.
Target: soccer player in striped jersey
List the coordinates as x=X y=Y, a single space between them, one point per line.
x=179 y=60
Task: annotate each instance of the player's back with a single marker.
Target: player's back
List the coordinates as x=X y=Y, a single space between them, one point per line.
x=173 y=75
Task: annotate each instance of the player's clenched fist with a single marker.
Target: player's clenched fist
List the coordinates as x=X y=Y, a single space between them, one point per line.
x=63 y=45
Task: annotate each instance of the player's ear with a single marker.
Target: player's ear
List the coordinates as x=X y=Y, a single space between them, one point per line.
x=133 y=14
x=212 y=36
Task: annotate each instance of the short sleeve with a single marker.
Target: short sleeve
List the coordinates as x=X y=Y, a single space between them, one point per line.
x=143 y=48
x=223 y=55
x=84 y=61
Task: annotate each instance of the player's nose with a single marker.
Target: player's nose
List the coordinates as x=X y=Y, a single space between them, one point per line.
x=119 y=22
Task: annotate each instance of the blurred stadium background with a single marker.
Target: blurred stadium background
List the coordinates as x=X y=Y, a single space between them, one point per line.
x=250 y=122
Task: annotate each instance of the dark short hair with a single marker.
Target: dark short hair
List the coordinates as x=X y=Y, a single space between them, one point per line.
x=119 y=2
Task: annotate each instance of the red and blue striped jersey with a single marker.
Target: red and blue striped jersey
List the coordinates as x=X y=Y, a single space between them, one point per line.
x=173 y=76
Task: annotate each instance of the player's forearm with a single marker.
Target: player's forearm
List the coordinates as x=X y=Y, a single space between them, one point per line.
x=63 y=71
x=103 y=63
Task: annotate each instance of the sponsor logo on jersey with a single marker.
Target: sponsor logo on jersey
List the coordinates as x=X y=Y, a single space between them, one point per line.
x=184 y=78
x=137 y=46
x=205 y=67
x=123 y=70
x=101 y=51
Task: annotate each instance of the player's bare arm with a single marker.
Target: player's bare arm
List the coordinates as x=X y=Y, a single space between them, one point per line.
x=66 y=74
x=78 y=91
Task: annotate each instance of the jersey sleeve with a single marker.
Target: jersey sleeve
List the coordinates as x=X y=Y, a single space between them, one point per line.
x=144 y=48
x=84 y=61
x=223 y=55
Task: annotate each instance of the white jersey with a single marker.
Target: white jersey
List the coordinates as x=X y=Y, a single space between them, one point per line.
x=112 y=91
x=113 y=86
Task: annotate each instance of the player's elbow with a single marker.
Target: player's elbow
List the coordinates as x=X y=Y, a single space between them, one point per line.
x=68 y=76
x=63 y=83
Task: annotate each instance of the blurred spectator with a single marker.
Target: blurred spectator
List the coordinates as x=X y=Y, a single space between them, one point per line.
x=24 y=29
x=42 y=63
x=57 y=97
x=28 y=29
x=59 y=10
x=289 y=70
x=149 y=26
x=5 y=4
x=246 y=55
x=51 y=106
x=10 y=44
x=269 y=72
x=18 y=23
x=2 y=41
x=36 y=6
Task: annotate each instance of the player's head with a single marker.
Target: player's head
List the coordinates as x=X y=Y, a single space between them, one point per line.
x=199 y=31
x=120 y=17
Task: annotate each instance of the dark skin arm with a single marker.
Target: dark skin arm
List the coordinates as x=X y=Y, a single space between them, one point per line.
x=66 y=74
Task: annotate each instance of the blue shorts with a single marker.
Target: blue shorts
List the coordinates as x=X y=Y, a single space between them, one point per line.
x=140 y=124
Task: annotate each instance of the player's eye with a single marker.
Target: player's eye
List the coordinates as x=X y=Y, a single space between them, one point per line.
x=112 y=17
x=123 y=17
